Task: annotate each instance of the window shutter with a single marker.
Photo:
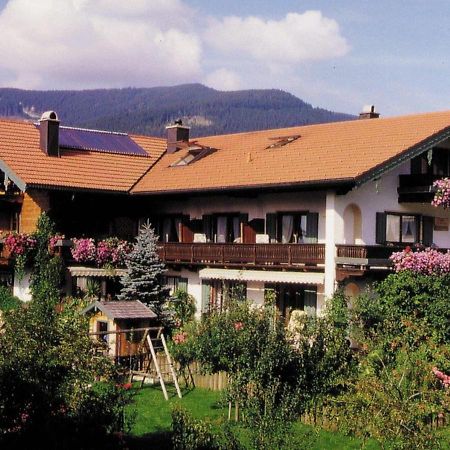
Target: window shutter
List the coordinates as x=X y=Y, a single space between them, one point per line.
x=271 y=226
x=208 y=227
x=380 y=233
x=206 y=296
x=182 y=284
x=428 y=225
x=312 y=227
x=187 y=235
x=311 y=302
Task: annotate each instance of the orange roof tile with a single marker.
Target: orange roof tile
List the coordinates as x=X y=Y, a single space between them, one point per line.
x=20 y=152
x=326 y=152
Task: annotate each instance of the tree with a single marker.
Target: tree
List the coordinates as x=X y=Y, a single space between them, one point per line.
x=143 y=278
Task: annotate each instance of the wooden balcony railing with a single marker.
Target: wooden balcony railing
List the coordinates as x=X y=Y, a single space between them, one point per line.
x=243 y=254
x=366 y=251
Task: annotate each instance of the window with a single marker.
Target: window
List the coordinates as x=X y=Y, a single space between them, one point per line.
x=292 y=227
x=170 y=229
x=228 y=228
x=281 y=141
x=193 y=154
x=176 y=283
x=401 y=228
x=216 y=294
x=436 y=163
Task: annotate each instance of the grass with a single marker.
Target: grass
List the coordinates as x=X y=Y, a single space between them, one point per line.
x=151 y=416
x=152 y=420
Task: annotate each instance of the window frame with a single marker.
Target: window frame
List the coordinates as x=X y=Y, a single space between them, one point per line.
x=418 y=218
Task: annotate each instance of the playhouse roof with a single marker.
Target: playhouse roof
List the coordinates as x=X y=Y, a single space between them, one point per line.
x=129 y=309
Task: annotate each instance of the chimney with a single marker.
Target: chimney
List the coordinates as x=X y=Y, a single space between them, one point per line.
x=176 y=134
x=369 y=112
x=49 y=133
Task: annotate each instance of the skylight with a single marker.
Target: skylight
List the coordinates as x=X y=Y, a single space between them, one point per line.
x=193 y=154
x=281 y=141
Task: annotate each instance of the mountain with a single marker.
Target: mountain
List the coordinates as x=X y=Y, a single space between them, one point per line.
x=149 y=110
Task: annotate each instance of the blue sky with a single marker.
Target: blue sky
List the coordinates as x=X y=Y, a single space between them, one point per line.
x=334 y=54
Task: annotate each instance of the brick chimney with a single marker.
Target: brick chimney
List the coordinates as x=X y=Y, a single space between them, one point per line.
x=369 y=112
x=176 y=134
x=49 y=133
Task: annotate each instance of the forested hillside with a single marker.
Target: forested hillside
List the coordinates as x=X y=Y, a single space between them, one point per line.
x=148 y=110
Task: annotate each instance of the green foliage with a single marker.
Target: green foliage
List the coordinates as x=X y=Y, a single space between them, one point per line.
x=394 y=402
x=272 y=379
x=182 y=308
x=143 y=279
x=7 y=300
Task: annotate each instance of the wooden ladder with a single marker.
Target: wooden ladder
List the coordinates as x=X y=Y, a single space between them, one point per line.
x=160 y=336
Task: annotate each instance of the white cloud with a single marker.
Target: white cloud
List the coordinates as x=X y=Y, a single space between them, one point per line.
x=291 y=40
x=223 y=80
x=91 y=43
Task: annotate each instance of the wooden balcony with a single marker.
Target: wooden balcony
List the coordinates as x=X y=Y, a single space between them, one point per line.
x=416 y=188
x=283 y=255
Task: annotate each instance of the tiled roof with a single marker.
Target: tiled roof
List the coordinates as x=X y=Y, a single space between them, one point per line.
x=133 y=309
x=82 y=169
x=327 y=152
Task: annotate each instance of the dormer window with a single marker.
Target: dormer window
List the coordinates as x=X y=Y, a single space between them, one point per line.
x=193 y=154
x=281 y=141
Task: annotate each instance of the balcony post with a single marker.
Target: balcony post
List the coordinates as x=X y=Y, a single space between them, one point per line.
x=330 y=244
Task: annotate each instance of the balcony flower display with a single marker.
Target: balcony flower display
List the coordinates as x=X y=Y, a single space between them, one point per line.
x=84 y=250
x=54 y=240
x=20 y=246
x=112 y=252
x=442 y=194
x=107 y=253
x=427 y=262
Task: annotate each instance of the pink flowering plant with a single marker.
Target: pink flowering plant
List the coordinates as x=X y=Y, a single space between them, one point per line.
x=426 y=262
x=84 y=250
x=442 y=194
x=108 y=253
x=53 y=241
x=20 y=246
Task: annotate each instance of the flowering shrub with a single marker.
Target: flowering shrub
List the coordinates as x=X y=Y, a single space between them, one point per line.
x=180 y=338
x=427 y=262
x=442 y=194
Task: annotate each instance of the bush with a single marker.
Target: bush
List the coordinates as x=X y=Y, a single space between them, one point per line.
x=7 y=300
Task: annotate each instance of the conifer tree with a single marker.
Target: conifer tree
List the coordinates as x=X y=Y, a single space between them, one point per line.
x=143 y=279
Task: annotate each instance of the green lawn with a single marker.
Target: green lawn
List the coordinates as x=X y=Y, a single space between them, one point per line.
x=151 y=416
x=152 y=420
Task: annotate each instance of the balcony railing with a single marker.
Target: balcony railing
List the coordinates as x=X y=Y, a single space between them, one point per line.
x=366 y=251
x=243 y=254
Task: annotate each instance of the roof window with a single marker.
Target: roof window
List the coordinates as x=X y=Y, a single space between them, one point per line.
x=281 y=141
x=193 y=154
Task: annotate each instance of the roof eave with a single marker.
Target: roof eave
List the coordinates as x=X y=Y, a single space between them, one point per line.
x=409 y=153
x=340 y=184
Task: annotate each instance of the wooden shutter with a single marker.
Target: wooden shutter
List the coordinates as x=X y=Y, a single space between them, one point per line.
x=380 y=232
x=428 y=225
x=247 y=233
x=187 y=234
x=206 y=296
x=271 y=226
x=311 y=302
x=312 y=227
x=208 y=227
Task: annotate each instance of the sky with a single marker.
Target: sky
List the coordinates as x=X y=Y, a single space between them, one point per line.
x=336 y=54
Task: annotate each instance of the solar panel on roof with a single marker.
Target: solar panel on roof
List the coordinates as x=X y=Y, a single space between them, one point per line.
x=98 y=141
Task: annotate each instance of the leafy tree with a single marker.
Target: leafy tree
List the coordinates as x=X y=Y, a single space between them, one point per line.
x=7 y=300
x=48 y=369
x=143 y=279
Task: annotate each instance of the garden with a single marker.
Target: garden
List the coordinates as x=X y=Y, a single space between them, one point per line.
x=375 y=375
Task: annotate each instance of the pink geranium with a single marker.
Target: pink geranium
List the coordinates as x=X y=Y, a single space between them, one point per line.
x=83 y=250
x=427 y=262
x=19 y=243
x=442 y=194
x=180 y=338
x=238 y=326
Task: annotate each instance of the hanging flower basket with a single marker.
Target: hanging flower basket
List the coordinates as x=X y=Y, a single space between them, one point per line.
x=442 y=194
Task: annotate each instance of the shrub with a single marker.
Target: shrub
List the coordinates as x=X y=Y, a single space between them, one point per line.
x=7 y=300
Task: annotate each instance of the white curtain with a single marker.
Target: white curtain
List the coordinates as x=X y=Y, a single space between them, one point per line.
x=392 y=228
x=221 y=229
x=287 y=227
x=408 y=229
x=177 y=223
x=167 y=224
x=236 y=229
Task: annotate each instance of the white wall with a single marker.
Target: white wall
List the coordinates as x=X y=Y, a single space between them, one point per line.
x=21 y=288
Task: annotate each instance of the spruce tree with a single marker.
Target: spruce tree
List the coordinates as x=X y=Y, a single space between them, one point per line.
x=143 y=279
